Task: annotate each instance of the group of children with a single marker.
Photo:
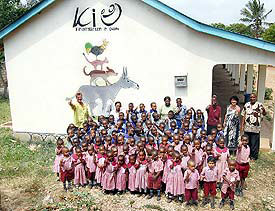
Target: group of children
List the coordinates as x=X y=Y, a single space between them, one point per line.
x=143 y=154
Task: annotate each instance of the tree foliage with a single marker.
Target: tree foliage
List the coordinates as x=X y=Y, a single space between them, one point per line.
x=255 y=15
x=239 y=28
x=269 y=34
x=10 y=10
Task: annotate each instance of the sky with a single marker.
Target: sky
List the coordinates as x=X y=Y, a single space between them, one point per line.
x=216 y=11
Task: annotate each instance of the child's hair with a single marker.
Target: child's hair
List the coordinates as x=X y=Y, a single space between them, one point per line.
x=121 y=157
x=211 y=159
x=245 y=136
x=191 y=162
x=59 y=141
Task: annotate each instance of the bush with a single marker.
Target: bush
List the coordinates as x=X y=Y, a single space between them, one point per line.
x=268 y=94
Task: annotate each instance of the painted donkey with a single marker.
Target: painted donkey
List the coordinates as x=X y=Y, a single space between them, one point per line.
x=105 y=93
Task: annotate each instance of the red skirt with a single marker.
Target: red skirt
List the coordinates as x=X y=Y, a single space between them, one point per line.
x=243 y=169
x=66 y=175
x=154 y=184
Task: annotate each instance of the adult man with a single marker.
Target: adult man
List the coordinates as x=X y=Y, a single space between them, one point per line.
x=117 y=110
x=81 y=110
x=214 y=115
x=164 y=109
x=181 y=112
x=252 y=114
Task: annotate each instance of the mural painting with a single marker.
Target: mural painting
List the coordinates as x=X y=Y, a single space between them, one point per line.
x=106 y=94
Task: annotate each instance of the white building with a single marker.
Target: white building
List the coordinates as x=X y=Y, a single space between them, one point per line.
x=44 y=56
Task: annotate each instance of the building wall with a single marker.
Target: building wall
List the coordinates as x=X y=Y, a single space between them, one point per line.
x=45 y=61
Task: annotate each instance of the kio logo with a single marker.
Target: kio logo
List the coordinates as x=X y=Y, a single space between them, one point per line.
x=87 y=19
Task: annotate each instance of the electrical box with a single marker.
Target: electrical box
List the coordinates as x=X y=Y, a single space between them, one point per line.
x=181 y=81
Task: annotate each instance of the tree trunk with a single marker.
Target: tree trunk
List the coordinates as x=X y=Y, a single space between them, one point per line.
x=4 y=79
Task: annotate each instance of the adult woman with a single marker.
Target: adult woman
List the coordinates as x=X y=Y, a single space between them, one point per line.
x=232 y=124
x=214 y=115
x=252 y=114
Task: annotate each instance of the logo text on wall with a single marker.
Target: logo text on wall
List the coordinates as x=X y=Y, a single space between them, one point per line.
x=89 y=20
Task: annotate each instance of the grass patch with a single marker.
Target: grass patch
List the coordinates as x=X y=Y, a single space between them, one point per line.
x=4 y=110
x=154 y=207
x=17 y=159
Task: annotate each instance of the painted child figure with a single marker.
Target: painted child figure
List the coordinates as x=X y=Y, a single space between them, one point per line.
x=155 y=168
x=132 y=171
x=222 y=155
x=231 y=179
x=108 y=177
x=58 y=157
x=191 y=180
x=66 y=168
x=121 y=175
x=209 y=176
x=141 y=175
x=175 y=181
x=91 y=165
x=243 y=153
x=79 y=169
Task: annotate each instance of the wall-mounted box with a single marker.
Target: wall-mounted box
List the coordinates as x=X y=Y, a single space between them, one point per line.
x=181 y=81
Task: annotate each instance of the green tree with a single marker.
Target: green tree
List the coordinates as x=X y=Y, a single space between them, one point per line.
x=269 y=34
x=239 y=28
x=10 y=10
x=218 y=25
x=255 y=15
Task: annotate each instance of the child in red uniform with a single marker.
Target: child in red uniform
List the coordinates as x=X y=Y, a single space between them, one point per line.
x=209 y=175
x=243 y=153
x=66 y=169
x=155 y=168
x=191 y=180
x=230 y=180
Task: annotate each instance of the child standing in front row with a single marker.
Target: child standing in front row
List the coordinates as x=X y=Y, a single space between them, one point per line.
x=58 y=157
x=121 y=175
x=243 y=153
x=132 y=173
x=66 y=169
x=175 y=182
x=222 y=156
x=209 y=175
x=141 y=175
x=79 y=170
x=230 y=180
x=108 y=177
x=90 y=165
x=191 y=180
x=155 y=168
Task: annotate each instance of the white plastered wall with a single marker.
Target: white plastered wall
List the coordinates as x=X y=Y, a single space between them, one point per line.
x=45 y=62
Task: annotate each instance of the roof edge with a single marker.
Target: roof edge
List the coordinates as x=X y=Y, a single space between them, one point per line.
x=24 y=18
x=202 y=27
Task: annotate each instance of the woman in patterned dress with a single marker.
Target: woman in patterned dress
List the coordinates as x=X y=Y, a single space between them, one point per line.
x=232 y=124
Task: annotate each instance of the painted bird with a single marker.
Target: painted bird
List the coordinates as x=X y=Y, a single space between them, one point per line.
x=96 y=50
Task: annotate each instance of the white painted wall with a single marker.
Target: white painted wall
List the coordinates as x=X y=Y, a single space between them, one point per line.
x=45 y=62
